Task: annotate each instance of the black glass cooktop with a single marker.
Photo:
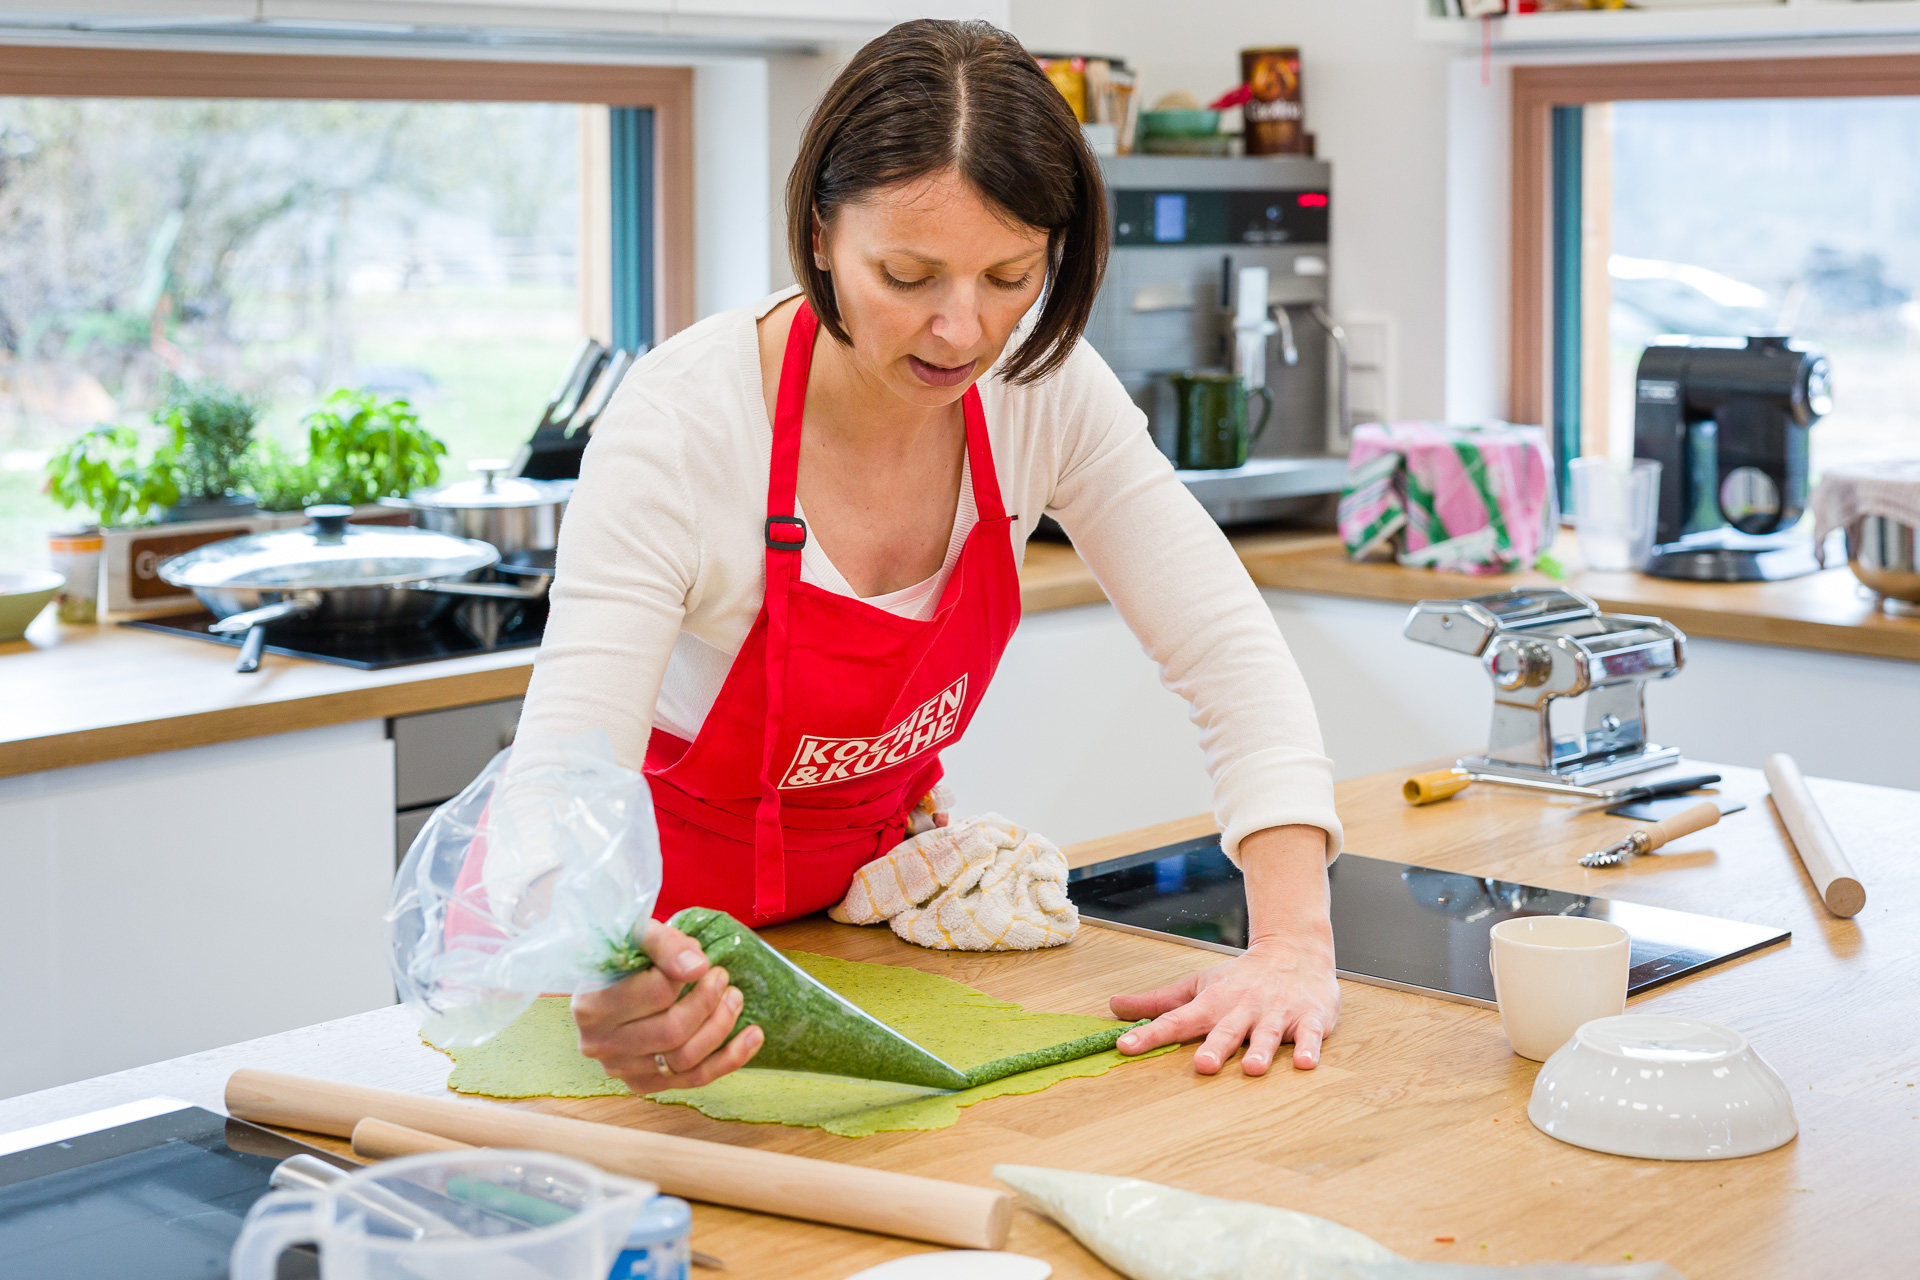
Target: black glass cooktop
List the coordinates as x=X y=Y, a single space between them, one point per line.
x=155 y=1189
x=370 y=649
x=1395 y=924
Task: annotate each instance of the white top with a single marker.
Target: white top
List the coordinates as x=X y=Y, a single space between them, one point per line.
x=661 y=567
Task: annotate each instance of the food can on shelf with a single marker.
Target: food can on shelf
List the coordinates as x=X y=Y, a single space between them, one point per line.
x=75 y=555
x=1273 y=116
x=1069 y=76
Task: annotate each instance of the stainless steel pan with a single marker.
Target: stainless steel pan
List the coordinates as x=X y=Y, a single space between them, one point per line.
x=330 y=575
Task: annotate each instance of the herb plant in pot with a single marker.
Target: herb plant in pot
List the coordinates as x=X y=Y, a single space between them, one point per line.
x=360 y=449
x=211 y=433
x=101 y=471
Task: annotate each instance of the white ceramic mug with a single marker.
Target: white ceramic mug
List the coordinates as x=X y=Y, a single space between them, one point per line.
x=1553 y=973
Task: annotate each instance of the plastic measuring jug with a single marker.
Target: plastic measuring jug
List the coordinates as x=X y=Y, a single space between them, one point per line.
x=450 y=1215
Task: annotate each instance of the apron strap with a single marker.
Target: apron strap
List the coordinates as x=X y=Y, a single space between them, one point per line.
x=786 y=534
x=987 y=504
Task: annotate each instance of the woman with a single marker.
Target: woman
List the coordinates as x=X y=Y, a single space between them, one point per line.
x=791 y=564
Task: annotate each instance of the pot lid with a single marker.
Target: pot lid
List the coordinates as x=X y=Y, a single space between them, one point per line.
x=327 y=553
x=493 y=488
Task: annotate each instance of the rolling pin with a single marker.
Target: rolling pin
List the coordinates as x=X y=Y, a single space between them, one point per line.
x=841 y=1195
x=1813 y=839
x=375 y=1139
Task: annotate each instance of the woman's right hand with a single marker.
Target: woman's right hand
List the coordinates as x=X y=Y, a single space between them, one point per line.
x=650 y=1035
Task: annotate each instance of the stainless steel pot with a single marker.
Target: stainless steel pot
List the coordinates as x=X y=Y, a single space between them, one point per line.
x=332 y=575
x=510 y=513
x=1882 y=554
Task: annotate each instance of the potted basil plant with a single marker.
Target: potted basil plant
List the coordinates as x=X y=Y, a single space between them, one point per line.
x=360 y=449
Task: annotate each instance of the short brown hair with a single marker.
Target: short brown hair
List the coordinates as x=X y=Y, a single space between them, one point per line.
x=932 y=95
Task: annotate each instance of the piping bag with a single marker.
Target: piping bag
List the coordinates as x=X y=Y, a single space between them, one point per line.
x=544 y=881
x=1146 y=1231
x=811 y=1027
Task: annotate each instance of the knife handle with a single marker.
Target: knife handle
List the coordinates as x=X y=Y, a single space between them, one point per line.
x=1684 y=823
x=1679 y=786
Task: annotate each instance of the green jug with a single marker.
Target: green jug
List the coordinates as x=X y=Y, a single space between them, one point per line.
x=1213 y=420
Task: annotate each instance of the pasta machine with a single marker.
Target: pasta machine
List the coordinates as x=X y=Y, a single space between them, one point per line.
x=1541 y=644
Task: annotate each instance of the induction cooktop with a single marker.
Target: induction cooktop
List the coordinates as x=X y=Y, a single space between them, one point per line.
x=155 y=1189
x=371 y=648
x=1395 y=924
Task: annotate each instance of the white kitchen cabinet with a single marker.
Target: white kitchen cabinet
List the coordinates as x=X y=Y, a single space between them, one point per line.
x=166 y=904
x=1077 y=739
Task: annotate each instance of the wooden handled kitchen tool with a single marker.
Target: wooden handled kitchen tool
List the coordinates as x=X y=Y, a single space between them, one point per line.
x=1649 y=838
x=1813 y=839
x=380 y=1140
x=895 y=1204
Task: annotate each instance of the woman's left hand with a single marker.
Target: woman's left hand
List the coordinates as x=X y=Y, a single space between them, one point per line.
x=1281 y=989
x=1276 y=992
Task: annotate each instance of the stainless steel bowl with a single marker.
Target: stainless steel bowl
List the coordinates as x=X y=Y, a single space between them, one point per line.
x=510 y=513
x=1882 y=554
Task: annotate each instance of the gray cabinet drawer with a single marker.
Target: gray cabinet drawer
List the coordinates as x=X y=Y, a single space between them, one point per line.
x=406 y=825
x=436 y=753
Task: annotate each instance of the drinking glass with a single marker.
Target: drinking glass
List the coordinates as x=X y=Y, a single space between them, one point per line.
x=1614 y=511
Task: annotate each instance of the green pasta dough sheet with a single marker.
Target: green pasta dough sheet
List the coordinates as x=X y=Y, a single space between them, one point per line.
x=1005 y=1048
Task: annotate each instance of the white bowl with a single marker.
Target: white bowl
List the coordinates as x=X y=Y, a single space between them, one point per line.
x=1662 y=1089
x=22 y=597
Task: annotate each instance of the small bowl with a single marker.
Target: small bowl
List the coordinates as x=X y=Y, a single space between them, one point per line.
x=1662 y=1088
x=22 y=597
x=1180 y=122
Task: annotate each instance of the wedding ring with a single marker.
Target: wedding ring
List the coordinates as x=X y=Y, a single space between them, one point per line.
x=660 y=1061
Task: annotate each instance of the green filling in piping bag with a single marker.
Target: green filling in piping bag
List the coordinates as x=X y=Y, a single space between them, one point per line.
x=810 y=1027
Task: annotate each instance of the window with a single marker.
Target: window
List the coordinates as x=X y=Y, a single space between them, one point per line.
x=286 y=249
x=305 y=231
x=1718 y=199
x=1799 y=217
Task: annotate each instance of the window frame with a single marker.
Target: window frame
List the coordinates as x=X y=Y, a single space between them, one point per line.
x=662 y=94
x=1538 y=276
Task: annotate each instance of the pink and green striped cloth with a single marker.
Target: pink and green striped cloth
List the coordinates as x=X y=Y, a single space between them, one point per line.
x=1467 y=499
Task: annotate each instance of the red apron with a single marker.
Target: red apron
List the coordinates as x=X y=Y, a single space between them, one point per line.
x=826 y=732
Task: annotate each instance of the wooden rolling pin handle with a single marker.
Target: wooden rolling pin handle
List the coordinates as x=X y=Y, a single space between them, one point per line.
x=377 y=1140
x=1426 y=788
x=1684 y=823
x=842 y=1195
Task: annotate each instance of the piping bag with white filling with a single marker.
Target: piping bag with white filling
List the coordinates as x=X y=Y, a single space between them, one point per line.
x=1146 y=1231
x=543 y=879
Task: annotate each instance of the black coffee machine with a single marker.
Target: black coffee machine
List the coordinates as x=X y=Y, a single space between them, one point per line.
x=1727 y=420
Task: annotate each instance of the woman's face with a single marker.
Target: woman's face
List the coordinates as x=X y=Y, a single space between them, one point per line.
x=931 y=282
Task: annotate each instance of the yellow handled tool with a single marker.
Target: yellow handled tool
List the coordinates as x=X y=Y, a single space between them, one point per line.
x=1428 y=788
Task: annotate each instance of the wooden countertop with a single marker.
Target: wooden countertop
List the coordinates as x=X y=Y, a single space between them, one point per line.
x=1414 y=1126
x=77 y=695
x=1826 y=611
